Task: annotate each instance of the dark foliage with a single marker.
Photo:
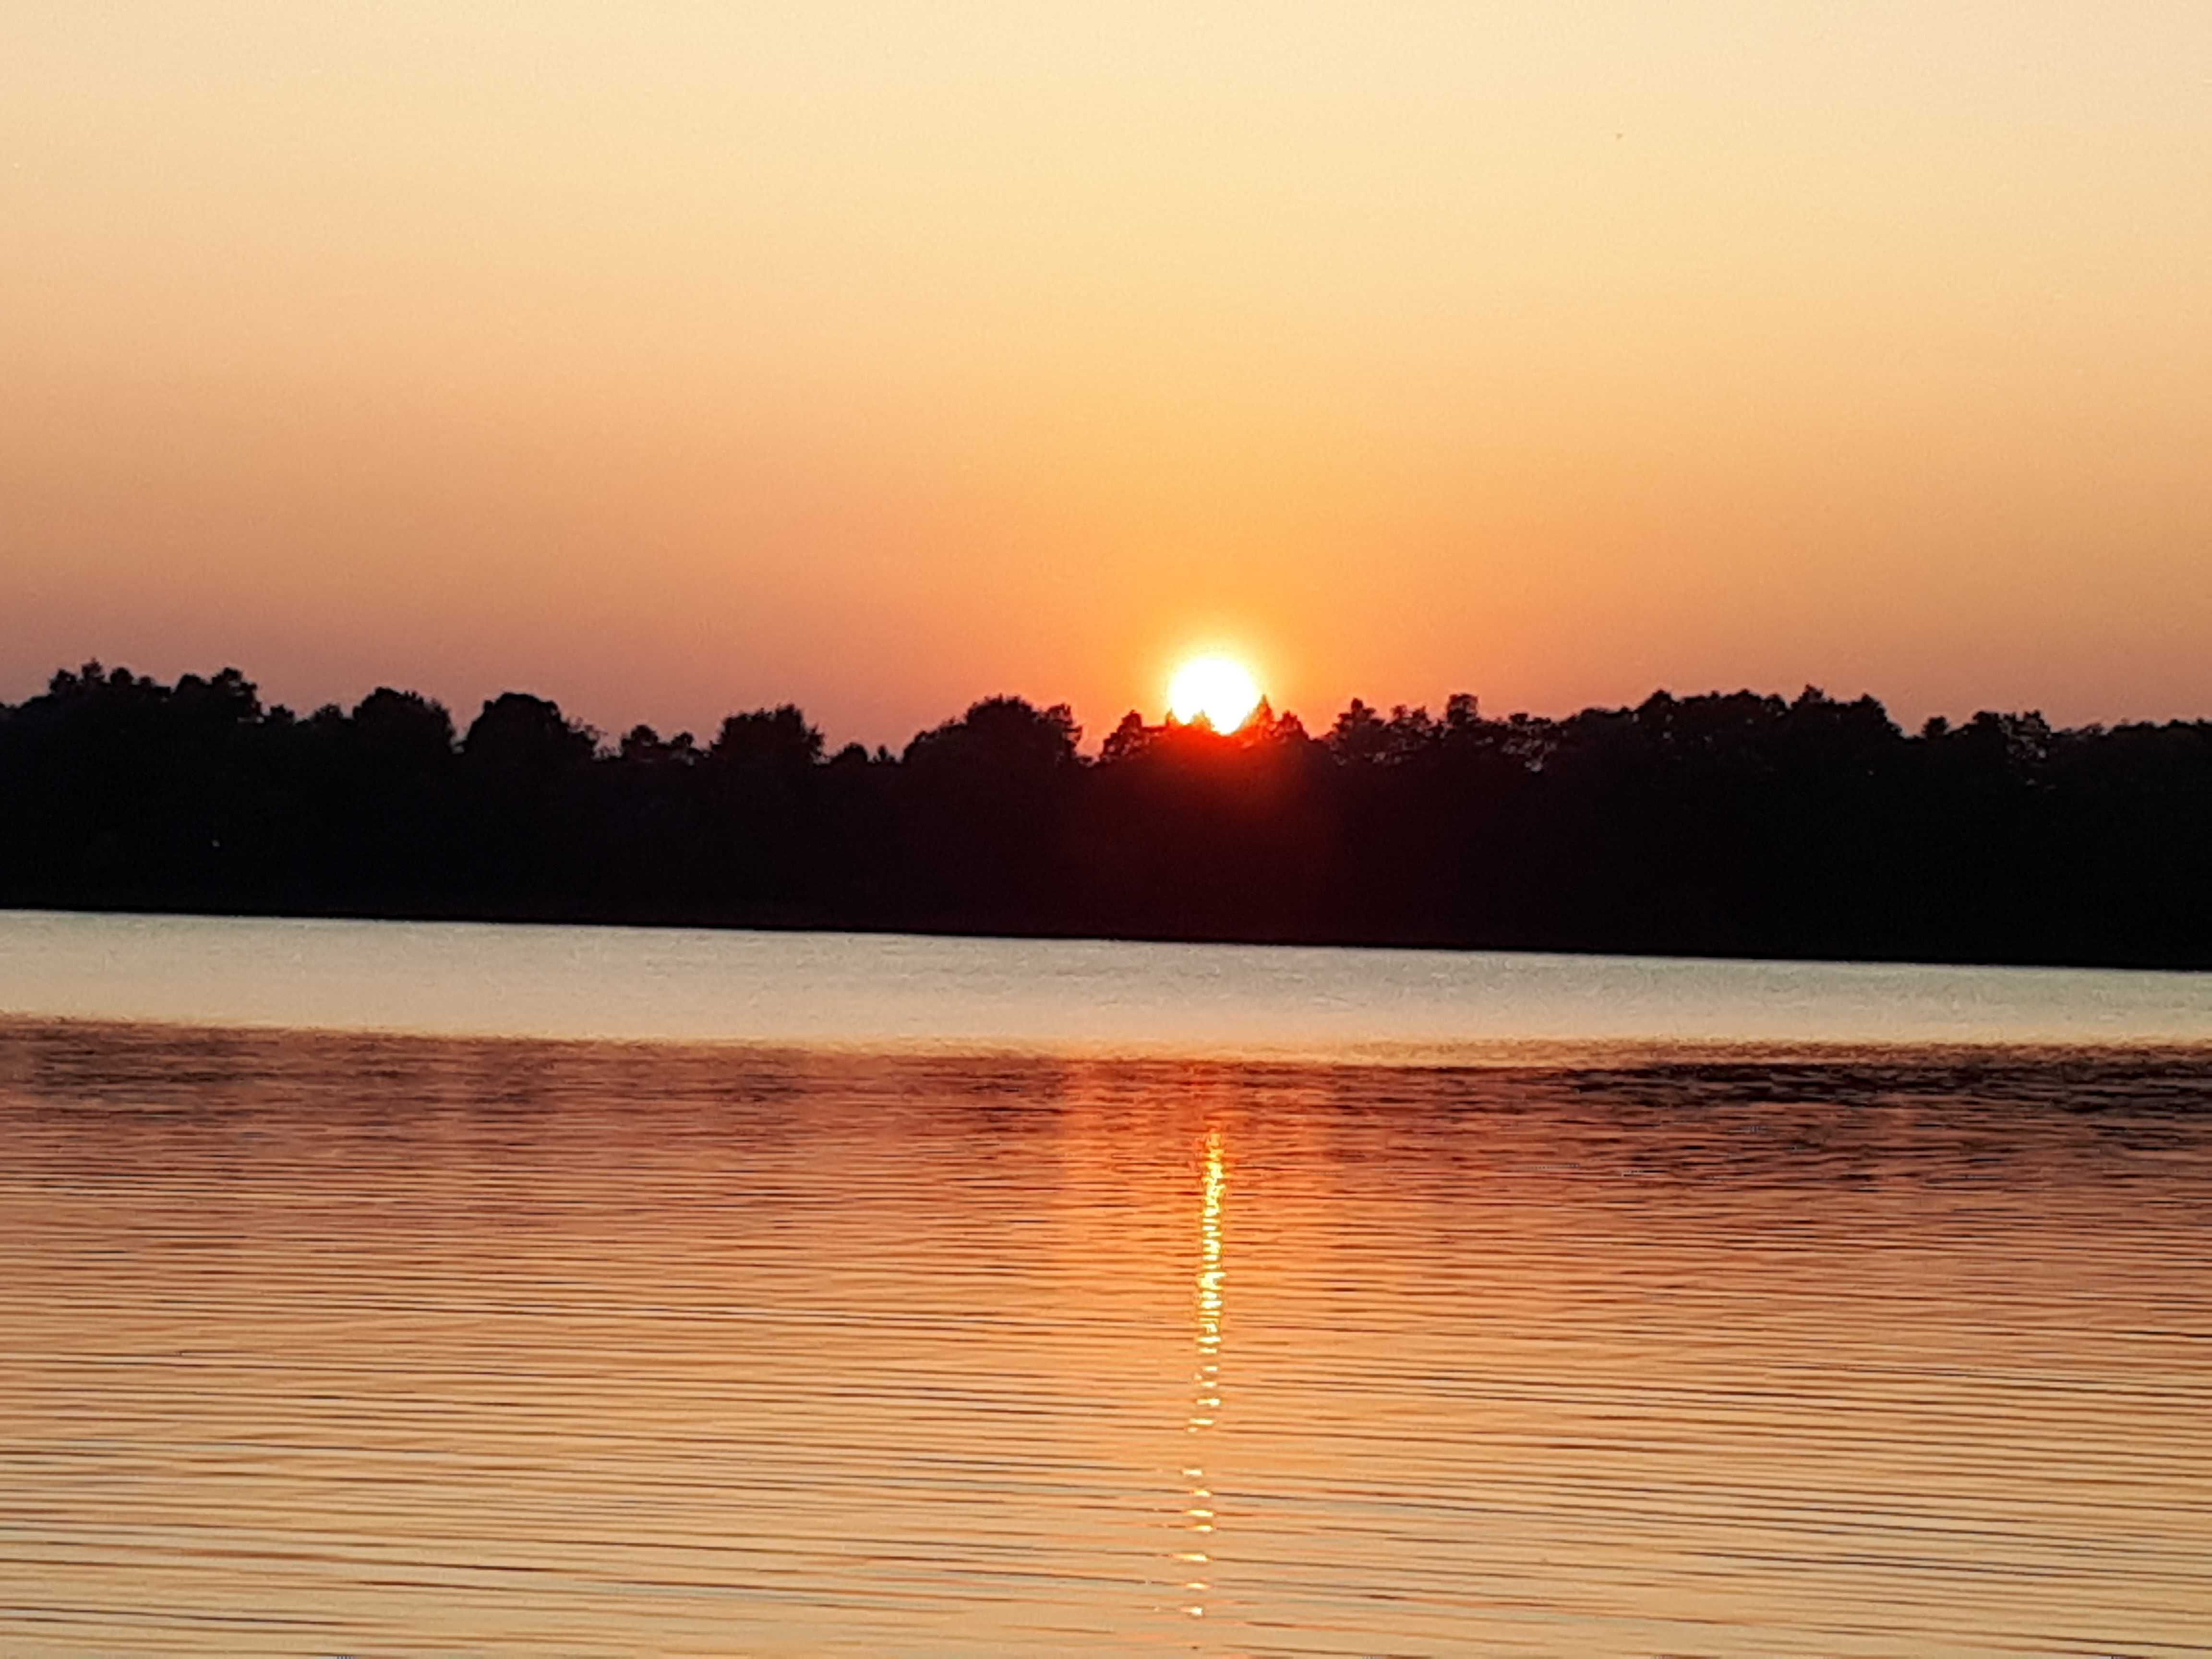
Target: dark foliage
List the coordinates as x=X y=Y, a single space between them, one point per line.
x=1719 y=824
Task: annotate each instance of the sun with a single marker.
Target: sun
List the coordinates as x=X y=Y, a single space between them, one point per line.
x=1218 y=688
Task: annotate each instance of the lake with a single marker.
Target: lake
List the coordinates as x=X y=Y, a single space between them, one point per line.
x=376 y=1289
x=879 y=992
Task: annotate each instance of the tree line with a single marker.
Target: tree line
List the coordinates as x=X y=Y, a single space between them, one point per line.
x=1720 y=824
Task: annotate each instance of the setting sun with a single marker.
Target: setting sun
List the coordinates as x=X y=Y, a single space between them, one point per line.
x=1218 y=690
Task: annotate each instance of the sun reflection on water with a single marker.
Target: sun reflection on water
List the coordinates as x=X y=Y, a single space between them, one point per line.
x=1205 y=1404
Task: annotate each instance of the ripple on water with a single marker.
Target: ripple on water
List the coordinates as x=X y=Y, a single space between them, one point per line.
x=379 y=1345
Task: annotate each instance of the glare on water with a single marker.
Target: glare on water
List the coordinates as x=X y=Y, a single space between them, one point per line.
x=1208 y=1379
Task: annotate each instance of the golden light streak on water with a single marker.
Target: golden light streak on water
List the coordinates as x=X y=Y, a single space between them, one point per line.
x=1206 y=1403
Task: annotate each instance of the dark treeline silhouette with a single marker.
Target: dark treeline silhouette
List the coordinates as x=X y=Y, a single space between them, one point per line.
x=1734 y=824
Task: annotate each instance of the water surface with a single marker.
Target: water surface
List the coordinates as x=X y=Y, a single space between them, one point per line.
x=375 y=1344
x=892 y=991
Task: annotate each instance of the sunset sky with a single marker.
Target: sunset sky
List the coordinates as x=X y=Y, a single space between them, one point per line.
x=671 y=359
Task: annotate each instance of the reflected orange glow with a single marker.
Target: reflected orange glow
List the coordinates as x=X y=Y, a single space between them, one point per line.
x=1207 y=1404
x=899 y=1340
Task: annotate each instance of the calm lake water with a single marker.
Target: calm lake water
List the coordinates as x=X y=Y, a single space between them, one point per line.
x=968 y=1296
x=964 y=995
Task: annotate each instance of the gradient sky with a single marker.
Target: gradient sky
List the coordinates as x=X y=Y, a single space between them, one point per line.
x=671 y=359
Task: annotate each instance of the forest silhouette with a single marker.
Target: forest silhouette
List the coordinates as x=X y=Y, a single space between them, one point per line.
x=1719 y=824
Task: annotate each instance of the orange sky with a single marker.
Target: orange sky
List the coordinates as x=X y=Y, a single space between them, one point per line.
x=669 y=360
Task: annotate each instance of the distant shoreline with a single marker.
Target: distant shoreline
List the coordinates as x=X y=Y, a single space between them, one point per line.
x=1734 y=827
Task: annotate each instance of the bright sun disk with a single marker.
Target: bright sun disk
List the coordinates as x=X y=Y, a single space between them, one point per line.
x=1221 y=690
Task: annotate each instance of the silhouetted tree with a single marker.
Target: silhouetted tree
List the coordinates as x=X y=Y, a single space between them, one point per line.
x=1723 y=823
x=524 y=775
x=984 y=801
x=763 y=811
